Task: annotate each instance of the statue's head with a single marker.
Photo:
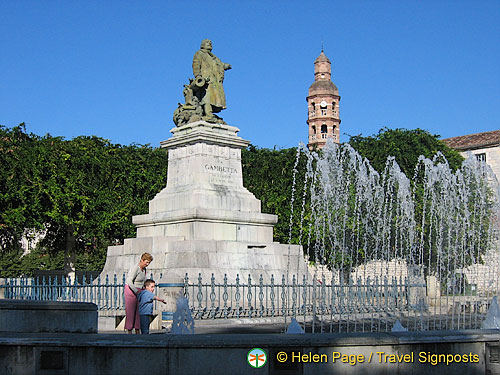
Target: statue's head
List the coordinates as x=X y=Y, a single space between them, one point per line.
x=206 y=44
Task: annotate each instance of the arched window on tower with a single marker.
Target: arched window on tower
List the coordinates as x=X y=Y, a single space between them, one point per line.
x=334 y=110
x=324 y=131
x=313 y=110
x=334 y=135
x=314 y=129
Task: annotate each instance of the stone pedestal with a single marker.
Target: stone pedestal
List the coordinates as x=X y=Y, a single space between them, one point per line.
x=205 y=221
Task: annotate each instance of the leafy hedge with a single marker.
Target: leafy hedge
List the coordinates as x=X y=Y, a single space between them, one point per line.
x=83 y=192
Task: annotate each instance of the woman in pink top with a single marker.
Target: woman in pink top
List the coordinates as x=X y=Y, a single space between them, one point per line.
x=133 y=285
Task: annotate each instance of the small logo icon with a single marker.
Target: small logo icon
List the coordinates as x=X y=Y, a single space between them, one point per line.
x=256 y=357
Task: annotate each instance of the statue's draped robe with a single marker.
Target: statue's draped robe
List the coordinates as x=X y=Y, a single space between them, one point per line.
x=208 y=65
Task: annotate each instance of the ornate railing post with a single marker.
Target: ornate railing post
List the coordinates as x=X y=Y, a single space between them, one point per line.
x=332 y=302
x=394 y=298
x=106 y=292
x=378 y=297
x=7 y=290
x=224 y=296
x=57 y=289
x=272 y=295
x=314 y=312
x=261 y=295
x=48 y=288
x=199 y=296
x=115 y=293
x=51 y=288
x=76 y=289
x=359 y=296
x=249 y=296
x=283 y=296
x=304 y=296
x=64 y=289
x=122 y=293
x=99 y=293
x=186 y=287
x=44 y=289
x=84 y=289
x=91 y=286
x=237 y=296
x=386 y=294
x=212 y=297
x=323 y=295
x=35 y=293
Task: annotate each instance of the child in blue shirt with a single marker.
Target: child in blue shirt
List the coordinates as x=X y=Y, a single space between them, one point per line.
x=145 y=300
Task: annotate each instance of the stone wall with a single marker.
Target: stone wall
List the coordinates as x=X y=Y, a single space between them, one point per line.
x=366 y=353
x=47 y=316
x=492 y=157
x=485 y=276
x=395 y=268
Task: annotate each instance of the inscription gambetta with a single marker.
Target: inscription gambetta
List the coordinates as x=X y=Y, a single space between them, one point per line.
x=220 y=169
x=222 y=175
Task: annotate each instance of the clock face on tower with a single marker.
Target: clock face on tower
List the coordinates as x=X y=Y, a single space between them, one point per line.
x=323 y=104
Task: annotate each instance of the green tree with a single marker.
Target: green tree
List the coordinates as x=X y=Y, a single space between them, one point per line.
x=80 y=194
x=93 y=189
x=405 y=146
x=268 y=174
x=19 y=208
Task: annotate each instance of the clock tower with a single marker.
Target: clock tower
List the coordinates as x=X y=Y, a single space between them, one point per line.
x=323 y=105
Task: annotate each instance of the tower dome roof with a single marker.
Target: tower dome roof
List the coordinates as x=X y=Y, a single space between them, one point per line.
x=323 y=87
x=322 y=58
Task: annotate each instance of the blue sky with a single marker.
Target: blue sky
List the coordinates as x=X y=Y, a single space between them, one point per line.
x=115 y=69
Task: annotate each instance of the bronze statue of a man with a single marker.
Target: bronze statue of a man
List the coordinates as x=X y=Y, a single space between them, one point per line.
x=209 y=70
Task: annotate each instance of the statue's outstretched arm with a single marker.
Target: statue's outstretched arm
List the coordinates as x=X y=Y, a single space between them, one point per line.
x=227 y=66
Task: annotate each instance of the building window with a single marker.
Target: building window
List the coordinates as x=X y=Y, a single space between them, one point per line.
x=323 y=112
x=314 y=129
x=323 y=129
x=481 y=157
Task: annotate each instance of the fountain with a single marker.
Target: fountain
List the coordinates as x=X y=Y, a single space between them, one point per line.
x=492 y=320
x=294 y=327
x=183 y=322
x=398 y=327
x=432 y=240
